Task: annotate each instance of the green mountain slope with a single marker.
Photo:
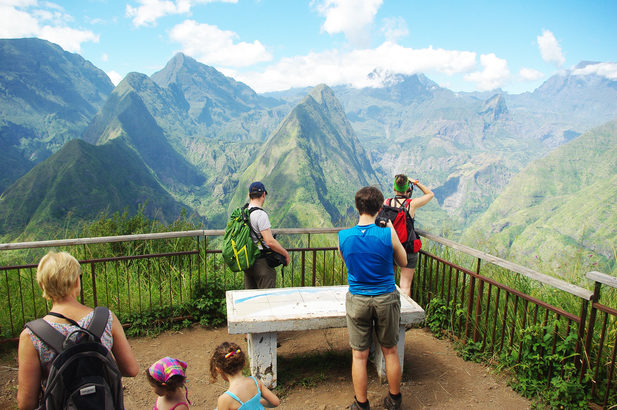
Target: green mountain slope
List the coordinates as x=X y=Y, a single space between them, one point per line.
x=560 y=209
x=312 y=165
x=76 y=184
x=125 y=115
x=48 y=97
x=219 y=106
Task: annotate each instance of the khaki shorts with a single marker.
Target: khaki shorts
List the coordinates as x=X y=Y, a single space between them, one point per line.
x=365 y=313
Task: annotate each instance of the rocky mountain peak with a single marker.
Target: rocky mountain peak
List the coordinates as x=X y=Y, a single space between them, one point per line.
x=494 y=107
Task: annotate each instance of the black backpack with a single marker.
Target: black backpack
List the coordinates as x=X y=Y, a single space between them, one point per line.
x=84 y=375
x=403 y=224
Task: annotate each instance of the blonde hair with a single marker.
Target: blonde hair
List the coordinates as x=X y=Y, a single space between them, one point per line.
x=56 y=274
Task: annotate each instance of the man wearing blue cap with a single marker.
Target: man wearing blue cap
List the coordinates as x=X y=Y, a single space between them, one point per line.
x=260 y=275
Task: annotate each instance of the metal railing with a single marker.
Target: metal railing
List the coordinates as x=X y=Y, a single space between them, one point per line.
x=145 y=273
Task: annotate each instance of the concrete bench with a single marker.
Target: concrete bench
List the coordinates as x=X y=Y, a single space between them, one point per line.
x=261 y=313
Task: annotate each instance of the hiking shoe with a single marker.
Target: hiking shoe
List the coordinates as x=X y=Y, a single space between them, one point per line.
x=356 y=406
x=390 y=403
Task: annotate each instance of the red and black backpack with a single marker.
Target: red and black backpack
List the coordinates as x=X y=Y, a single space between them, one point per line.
x=402 y=222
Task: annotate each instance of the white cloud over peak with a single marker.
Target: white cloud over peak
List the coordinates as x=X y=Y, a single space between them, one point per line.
x=550 y=49
x=334 y=67
x=351 y=17
x=69 y=38
x=114 y=77
x=149 y=11
x=394 y=28
x=17 y=21
x=529 y=74
x=494 y=74
x=213 y=46
x=608 y=70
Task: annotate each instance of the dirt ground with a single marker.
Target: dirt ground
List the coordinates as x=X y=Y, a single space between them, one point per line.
x=314 y=372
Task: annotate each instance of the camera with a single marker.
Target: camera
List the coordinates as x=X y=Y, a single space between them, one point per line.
x=381 y=221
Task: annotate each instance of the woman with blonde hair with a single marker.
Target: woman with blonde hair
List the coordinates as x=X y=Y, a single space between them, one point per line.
x=403 y=189
x=59 y=277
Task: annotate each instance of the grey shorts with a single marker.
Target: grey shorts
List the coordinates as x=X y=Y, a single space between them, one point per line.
x=412 y=260
x=365 y=313
x=260 y=275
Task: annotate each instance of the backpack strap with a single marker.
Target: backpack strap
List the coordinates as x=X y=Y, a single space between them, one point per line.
x=258 y=235
x=61 y=316
x=47 y=334
x=405 y=203
x=99 y=321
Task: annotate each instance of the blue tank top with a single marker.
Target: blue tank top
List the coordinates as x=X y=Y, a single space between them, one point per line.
x=368 y=254
x=254 y=403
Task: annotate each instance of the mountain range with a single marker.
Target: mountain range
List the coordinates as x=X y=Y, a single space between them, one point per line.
x=201 y=137
x=48 y=97
x=561 y=208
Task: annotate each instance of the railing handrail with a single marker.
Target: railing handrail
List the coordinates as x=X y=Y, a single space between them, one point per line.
x=148 y=236
x=602 y=278
x=516 y=268
x=522 y=270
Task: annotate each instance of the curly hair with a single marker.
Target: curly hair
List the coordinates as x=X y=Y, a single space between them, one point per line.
x=228 y=357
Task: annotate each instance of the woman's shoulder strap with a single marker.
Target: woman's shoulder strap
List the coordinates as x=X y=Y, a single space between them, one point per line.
x=256 y=382
x=233 y=396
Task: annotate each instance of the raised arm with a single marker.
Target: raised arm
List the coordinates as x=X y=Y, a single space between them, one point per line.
x=420 y=201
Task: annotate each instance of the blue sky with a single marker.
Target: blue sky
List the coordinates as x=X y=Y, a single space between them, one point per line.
x=277 y=44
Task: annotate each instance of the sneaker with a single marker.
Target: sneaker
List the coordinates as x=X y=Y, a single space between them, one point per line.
x=390 y=403
x=356 y=406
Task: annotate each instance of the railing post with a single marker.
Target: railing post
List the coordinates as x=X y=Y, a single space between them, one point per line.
x=93 y=272
x=472 y=286
x=590 y=327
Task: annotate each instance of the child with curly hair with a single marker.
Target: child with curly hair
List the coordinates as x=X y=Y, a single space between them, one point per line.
x=167 y=377
x=244 y=393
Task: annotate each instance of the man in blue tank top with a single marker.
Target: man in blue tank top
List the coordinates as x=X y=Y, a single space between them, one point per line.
x=373 y=301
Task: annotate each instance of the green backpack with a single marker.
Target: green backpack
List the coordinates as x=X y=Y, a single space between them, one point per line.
x=239 y=250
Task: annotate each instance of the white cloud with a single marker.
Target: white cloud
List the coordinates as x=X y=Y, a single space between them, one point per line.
x=608 y=70
x=70 y=39
x=529 y=74
x=17 y=23
x=351 y=17
x=104 y=57
x=394 y=28
x=334 y=67
x=213 y=46
x=17 y=3
x=114 y=77
x=550 y=49
x=151 y=10
x=494 y=74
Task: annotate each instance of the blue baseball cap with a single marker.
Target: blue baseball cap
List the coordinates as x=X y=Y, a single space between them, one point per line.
x=257 y=187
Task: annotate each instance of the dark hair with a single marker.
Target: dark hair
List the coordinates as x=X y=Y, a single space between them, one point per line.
x=231 y=364
x=369 y=200
x=174 y=382
x=254 y=195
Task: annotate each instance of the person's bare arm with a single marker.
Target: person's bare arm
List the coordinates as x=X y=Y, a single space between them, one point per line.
x=122 y=351
x=273 y=244
x=420 y=201
x=400 y=255
x=268 y=398
x=28 y=374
